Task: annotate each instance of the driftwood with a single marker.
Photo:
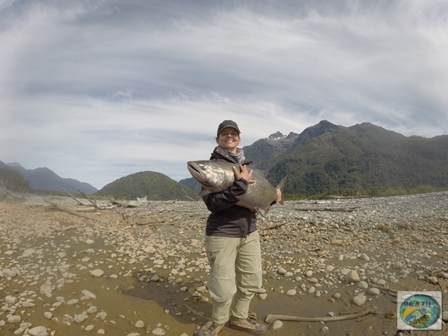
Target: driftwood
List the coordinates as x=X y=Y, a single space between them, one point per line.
x=77 y=200
x=89 y=199
x=272 y=317
x=273 y=226
x=64 y=228
x=57 y=206
x=123 y=205
x=154 y=223
x=336 y=209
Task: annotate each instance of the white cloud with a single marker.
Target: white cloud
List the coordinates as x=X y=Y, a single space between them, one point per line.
x=118 y=87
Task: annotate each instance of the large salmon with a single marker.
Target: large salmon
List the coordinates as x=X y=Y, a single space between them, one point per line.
x=217 y=175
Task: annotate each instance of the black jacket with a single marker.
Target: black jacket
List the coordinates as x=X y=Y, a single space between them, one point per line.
x=228 y=219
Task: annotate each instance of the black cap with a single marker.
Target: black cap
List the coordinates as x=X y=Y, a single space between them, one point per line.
x=228 y=123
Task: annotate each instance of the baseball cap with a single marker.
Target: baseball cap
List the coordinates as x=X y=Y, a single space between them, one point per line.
x=228 y=123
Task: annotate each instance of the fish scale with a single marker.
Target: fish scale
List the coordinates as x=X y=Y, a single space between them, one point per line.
x=218 y=175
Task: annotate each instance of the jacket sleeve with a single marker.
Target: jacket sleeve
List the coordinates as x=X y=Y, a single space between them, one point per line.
x=222 y=200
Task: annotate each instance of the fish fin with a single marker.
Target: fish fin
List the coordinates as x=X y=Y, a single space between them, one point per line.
x=263 y=172
x=280 y=186
x=261 y=213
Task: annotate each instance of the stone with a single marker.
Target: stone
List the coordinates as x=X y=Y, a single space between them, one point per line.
x=359 y=299
x=352 y=276
x=14 y=319
x=373 y=291
x=38 y=331
x=291 y=292
x=277 y=324
x=139 y=324
x=158 y=331
x=10 y=299
x=97 y=273
x=281 y=271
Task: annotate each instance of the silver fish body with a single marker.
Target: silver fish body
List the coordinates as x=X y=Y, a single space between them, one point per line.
x=217 y=175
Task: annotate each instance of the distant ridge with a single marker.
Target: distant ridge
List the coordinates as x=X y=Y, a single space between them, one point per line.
x=46 y=179
x=324 y=159
x=153 y=185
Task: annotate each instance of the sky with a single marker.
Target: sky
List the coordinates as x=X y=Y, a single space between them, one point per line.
x=97 y=90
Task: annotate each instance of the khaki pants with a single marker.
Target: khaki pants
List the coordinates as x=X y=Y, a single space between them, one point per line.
x=235 y=274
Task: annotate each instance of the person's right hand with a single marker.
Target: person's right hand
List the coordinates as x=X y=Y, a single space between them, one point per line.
x=243 y=173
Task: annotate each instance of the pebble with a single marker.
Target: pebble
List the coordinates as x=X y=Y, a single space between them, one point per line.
x=359 y=299
x=10 y=299
x=38 y=331
x=277 y=324
x=262 y=296
x=291 y=292
x=281 y=271
x=97 y=273
x=158 y=331
x=139 y=324
x=357 y=253
x=363 y=285
x=352 y=276
x=14 y=319
x=374 y=291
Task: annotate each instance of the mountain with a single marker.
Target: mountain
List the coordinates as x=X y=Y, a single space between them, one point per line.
x=45 y=179
x=12 y=180
x=155 y=186
x=328 y=158
x=265 y=152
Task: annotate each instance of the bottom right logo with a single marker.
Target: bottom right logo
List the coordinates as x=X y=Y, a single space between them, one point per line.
x=419 y=310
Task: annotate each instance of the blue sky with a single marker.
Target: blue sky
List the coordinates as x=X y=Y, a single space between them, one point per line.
x=97 y=90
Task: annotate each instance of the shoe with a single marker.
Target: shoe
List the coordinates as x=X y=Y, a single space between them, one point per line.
x=248 y=325
x=209 y=329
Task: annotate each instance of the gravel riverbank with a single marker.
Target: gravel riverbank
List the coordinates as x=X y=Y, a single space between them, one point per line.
x=142 y=270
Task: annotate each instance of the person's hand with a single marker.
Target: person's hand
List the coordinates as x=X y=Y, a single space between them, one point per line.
x=279 y=196
x=243 y=173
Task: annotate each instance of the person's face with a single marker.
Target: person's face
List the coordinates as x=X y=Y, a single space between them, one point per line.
x=228 y=139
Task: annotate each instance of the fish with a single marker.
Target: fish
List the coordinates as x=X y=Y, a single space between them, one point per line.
x=217 y=175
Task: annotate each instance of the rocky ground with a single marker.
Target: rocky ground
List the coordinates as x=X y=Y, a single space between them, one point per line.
x=71 y=269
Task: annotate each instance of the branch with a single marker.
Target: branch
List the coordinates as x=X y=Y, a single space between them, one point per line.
x=89 y=199
x=273 y=226
x=271 y=317
x=77 y=200
x=348 y=209
x=68 y=210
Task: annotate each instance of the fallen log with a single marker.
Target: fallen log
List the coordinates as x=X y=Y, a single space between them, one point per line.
x=122 y=204
x=58 y=207
x=272 y=317
x=336 y=209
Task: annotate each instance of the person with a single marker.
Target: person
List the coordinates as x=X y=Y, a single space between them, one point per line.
x=232 y=243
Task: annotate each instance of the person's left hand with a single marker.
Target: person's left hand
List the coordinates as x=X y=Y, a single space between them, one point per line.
x=279 y=195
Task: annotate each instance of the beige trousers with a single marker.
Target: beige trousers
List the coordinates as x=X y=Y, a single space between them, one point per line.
x=235 y=274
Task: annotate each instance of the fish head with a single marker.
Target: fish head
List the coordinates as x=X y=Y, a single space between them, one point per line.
x=213 y=175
